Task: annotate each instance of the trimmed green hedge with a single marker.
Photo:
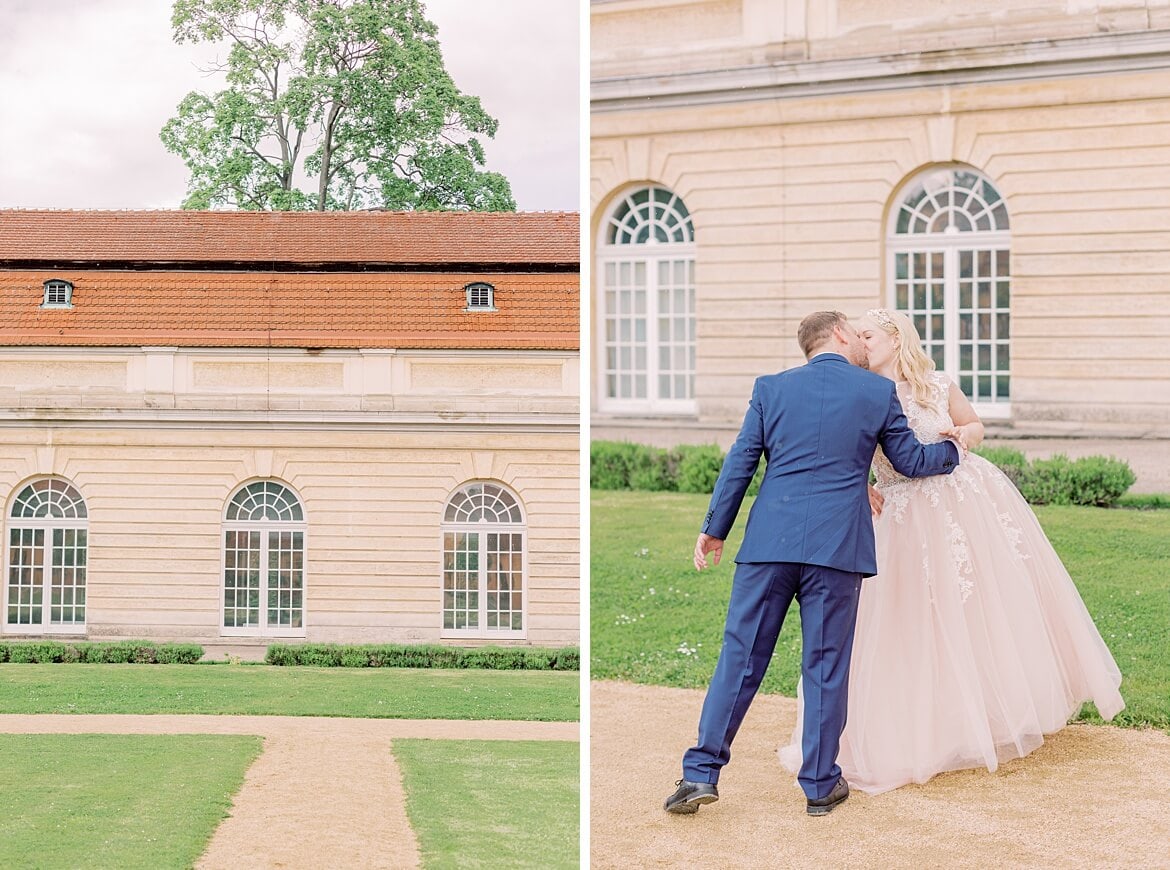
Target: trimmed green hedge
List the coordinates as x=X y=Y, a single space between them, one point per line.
x=137 y=652
x=1096 y=481
x=622 y=465
x=513 y=658
x=685 y=468
x=1093 y=480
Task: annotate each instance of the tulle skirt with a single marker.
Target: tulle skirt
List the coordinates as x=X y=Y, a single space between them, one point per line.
x=971 y=644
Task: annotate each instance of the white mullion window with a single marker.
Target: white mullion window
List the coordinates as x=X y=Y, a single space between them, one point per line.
x=264 y=562
x=646 y=358
x=949 y=255
x=627 y=332
x=243 y=567
x=675 y=335
x=462 y=556
x=484 y=592
x=984 y=323
x=48 y=543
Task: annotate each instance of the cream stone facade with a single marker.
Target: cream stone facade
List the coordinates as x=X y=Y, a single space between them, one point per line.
x=795 y=138
x=405 y=475
x=157 y=440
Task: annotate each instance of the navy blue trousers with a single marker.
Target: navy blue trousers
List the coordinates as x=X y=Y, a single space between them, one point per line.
x=760 y=597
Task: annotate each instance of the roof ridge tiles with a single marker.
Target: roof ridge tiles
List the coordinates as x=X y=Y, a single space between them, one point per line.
x=68 y=238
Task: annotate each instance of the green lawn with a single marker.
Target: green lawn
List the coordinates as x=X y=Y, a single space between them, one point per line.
x=396 y=693
x=493 y=803
x=115 y=801
x=654 y=619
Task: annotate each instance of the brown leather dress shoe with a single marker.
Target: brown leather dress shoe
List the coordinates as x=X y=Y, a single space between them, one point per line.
x=824 y=806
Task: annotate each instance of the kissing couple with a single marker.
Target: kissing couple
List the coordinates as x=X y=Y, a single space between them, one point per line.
x=973 y=641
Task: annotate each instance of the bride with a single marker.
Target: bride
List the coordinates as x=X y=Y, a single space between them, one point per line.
x=972 y=642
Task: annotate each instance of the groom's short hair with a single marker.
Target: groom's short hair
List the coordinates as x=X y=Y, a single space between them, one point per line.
x=815 y=329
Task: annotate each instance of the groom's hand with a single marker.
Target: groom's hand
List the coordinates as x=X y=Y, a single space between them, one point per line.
x=706 y=544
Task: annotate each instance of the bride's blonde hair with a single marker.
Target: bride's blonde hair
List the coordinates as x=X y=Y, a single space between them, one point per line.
x=910 y=361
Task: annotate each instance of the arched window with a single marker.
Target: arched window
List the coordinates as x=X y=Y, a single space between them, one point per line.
x=949 y=242
x=47 y=529
x=264 y=561
x=481 y=296
x=646 y=273
x=483 y=563
x=58 y=294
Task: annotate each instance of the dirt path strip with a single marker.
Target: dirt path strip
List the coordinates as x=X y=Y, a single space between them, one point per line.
x=1091 y=796
x=326 y=801
x=325 y=792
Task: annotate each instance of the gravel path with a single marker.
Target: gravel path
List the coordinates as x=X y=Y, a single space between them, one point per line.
x=325 y=792
x=1091 y=796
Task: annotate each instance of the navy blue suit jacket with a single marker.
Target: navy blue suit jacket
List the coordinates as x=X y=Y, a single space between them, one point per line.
x=817 y=426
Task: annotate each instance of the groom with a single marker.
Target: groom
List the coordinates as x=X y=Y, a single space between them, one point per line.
x=809 y=536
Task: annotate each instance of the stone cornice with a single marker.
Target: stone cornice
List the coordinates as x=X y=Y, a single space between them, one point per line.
x=40 y=351
x=543 y=422
x=1038 y=59
x=268 y=266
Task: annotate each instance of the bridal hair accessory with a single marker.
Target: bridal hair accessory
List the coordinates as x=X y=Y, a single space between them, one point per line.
x=882 y=316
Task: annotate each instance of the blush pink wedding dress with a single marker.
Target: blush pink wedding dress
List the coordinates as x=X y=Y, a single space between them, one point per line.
x=972 y=642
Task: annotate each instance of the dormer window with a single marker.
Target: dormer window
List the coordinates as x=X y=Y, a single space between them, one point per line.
x=58 y=294
x=480 y=297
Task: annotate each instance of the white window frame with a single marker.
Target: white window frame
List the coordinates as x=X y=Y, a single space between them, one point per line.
x=651 y=253
x=483 y=528
x=48 y=524
x=480 y=286
x=949 y=243
x=263 y=629
x=56 y=284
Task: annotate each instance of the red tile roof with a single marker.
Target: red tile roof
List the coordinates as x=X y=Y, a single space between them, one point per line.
x=422 y=239
x=290 y=309
x=290 y=279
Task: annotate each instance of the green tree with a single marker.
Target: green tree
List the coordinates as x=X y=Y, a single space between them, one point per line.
x=351 y=94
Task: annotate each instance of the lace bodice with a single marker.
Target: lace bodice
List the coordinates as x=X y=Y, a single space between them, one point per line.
x=927 y=422
x=943 y=495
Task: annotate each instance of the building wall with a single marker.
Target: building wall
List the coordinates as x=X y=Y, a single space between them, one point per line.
x=111 y=382
x=790 y=196
x=374 y=443
x=646 y=37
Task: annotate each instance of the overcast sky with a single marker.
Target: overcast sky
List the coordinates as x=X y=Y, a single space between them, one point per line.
x=86 y=85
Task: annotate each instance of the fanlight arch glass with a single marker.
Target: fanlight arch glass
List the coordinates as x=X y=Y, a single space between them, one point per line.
x=951 y=201
x=48 y=546
x=950 y=270
x=483 y=562
x=483 y=502
x=649 y=215
x=265 y=500
x=50 y=497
